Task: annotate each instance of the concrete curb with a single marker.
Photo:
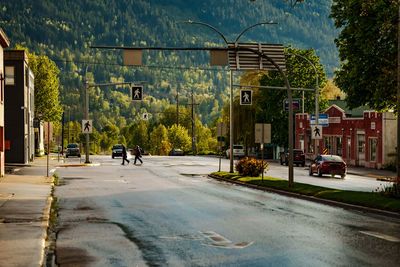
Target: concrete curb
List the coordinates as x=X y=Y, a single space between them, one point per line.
x=394 y=215
x=79 y=165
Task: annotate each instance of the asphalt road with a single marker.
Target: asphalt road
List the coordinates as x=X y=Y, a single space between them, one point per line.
x=165 y=213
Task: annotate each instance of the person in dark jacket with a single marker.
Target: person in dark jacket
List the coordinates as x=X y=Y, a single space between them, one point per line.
x=124 y=155
x=138 y=154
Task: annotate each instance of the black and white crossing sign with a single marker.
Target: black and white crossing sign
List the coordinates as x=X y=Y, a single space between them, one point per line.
x=316 y=132
x=137 y=93
x=246 y=97
x=145 y=116
x=87 y=126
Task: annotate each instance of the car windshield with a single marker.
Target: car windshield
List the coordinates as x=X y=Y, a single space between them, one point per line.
x=72 y=146
x=332 y=158
x=237 y=147
x=117 y=147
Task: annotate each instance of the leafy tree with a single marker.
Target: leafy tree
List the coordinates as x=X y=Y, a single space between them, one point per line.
x=368 y=48
x=179 y=138
x=46 y=83
x=157 y=136
x=138 y=135
x=330 y=91
x=105 y=142
x=112 y=131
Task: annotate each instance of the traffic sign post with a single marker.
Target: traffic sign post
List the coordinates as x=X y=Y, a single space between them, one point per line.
x=137 y=93
x=262 y=133
x=246 y=97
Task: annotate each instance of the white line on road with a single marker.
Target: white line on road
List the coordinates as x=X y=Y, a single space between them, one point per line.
x=381 y=236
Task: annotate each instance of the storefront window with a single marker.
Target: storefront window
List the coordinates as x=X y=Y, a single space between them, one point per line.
x=373 y=144
x=339 y=146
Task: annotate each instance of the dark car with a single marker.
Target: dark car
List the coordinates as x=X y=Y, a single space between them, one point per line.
x=298 y=157
x=175 y=152
x=73 y=150
x=328 y=164
x=116 y=151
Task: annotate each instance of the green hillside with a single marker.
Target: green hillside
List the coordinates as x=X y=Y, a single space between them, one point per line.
x=63 y=30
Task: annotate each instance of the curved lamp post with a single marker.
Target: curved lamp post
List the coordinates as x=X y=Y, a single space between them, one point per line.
x=261 y=54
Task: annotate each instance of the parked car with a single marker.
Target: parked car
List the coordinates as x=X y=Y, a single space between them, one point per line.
x=238 y=151
x=298 y=157
x=175 y=152
x=73 y=150
x=116 y=151
x=328 y=164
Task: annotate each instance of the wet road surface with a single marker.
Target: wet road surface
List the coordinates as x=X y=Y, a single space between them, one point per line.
x=164 y=213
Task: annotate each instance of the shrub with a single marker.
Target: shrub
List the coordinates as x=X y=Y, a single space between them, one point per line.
x=250 y=167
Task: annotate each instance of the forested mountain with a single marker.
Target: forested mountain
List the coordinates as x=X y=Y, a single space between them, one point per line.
x=64 y=29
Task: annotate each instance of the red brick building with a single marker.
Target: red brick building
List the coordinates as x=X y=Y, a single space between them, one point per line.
x=362 y=137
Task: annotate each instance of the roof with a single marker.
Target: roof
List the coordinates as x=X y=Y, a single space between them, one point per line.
x=357 y=112
x=3 y=39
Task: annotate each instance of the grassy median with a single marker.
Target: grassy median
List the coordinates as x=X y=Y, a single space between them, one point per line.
x=366 y=199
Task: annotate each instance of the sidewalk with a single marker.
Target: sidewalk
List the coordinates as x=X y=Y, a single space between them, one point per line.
x=25 y=200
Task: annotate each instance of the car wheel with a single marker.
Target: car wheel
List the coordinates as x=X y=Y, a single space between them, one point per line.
x=79 y=155
x=310 y=172
x=303 y=164
x=319 y=172
x=281 y=161
x=112 y=156
x=343 y=176
x=66 y=156
x=286 y=163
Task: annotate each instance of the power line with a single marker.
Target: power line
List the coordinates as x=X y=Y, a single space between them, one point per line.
x=144 y=66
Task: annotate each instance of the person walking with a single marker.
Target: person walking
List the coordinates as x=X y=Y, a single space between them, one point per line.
x=138 y=155
x=124 y=155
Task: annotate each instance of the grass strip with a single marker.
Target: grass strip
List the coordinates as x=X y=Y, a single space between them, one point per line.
x=365 y=199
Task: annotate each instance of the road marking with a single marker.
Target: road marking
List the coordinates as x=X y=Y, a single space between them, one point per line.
x=237 y=245
x=216 y=237
x=183 y=237
x=381 y=236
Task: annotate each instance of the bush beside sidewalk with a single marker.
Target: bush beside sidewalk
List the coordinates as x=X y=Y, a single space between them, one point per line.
x=362 y=201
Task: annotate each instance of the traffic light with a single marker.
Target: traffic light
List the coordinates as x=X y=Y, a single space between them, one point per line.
x=246 y=97
x=137 y=93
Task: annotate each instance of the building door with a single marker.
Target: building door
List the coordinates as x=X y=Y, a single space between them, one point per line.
x=348 y=149
x=360 y=150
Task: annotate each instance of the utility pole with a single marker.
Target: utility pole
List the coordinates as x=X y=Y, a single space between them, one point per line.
x=398 y=93
x=62 y=135
x=177 y=106
x=193 y=125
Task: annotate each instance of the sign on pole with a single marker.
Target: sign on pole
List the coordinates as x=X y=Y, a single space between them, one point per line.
x=316 y=132
x=246 y=97
x=221 y=129
x=262 y=133
x=87 y=126
x=137 y=93
x=323 y=119
x=295 y=104
x=145 y=116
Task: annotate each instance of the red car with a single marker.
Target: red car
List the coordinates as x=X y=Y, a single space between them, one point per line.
x=298 y=157
x=328 y=164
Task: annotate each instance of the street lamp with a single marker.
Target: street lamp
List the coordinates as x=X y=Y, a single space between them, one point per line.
x=231 y=82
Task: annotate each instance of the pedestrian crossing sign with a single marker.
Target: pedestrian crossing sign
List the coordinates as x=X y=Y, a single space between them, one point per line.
x=137 y=93
x=316 y=132
x=246 y=97
x=87 y=126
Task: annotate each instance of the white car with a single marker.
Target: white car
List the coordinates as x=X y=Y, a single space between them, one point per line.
x=238 y=151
